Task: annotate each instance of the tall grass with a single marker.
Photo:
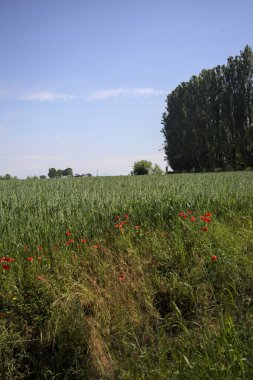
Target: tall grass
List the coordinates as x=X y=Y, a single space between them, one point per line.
x=90 y=298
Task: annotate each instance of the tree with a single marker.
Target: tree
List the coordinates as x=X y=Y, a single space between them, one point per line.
x=156 y=169
x=142 y=167
x=43 y=176
x=146 y=167
x=52 y=173
x=208 y=122
x=67 y=172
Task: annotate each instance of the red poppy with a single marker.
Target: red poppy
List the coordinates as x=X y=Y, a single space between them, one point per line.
x=121 y=277
x=205 y=229
x=96 y=246
x=117 y=218
x=40 y=278
x=67 y=233
x=137 y=227
x=40 y=248
x=181 y=213
x=30 y=258
x=189 y=212
x=126 y=216
x=83 y=241
x=205 y=219
x=6 y=267
x=193 y=219
x=214 y=258
x=208 y=214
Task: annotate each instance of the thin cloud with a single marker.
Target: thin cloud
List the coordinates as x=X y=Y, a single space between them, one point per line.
x=119 y=92
x=46 y=96
x=103 y=94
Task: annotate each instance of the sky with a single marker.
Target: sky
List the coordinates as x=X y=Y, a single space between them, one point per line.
x=83 y=83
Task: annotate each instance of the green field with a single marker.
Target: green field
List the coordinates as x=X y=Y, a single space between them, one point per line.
x=146 y=277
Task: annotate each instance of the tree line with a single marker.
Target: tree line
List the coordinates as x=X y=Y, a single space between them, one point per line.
x=208 y=122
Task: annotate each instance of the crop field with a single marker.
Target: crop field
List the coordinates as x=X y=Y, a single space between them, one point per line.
x=144 y=277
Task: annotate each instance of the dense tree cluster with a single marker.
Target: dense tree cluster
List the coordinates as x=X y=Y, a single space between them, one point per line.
x=53 y=173
x=143 y=167
x=208 y=123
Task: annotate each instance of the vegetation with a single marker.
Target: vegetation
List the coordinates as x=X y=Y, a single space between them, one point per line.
x=208 y=123
x=146 y=277
x=143 y=167
x=53 y=173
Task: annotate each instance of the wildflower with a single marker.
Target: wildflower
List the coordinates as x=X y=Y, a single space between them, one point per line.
x=205 y=219
x=214 y=258
x=67 y=233
x=41 y=278
x=96 y=246
x=208 y=214
x=40 y=248
x=189 y=212
x=121 y=277
x=181 y=213
x=6 y=267
x=30 y=259
x=83 y=241
x=205 y=229
x=137 y=227
x=117 y=218
x=193 y=219
x=39 y=258
x=7 y=259
x=126 y=216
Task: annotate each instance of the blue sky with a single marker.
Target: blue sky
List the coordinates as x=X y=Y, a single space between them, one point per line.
x=83 y=83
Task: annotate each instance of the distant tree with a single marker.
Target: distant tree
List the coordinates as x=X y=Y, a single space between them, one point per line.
x=142 y=167
x=156 y=169
x=67 y=172
x=52 y=173
x=43 y=176
x=59 y=173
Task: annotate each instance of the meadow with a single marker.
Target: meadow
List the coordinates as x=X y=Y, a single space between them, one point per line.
x=144 y=277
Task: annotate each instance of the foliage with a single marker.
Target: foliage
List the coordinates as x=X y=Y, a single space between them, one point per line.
x=143 y=167
x=53 y=173
x=127 y=278
x=7 y=177
x=208 y=123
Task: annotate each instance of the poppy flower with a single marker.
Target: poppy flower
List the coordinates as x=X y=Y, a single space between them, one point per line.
x=6 y=267
x=205 y=229
x=30 y=258
x=181 y=213
x=193 y=219
x=117 y=218
x=121 y=277
x=137 y=227
x=189 y=212
x=126 y=216
x=67 y=233
x=208 y=214
x=83 y=241
x=41 y=278
x=214 y=258
x=40 y=248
